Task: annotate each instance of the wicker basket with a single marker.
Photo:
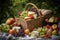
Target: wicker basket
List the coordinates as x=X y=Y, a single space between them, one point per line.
x=33 y=22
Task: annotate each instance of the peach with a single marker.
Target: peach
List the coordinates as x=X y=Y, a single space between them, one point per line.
x=10 y=21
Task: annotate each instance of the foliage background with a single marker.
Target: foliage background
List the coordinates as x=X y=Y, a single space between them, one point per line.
x=10 y=8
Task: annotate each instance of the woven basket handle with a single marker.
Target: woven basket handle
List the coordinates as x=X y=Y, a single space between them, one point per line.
x=39 y=12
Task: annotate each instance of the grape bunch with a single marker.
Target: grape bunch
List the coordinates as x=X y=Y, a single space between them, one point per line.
x=23 y=14
x=20 y=33
x=4 y=28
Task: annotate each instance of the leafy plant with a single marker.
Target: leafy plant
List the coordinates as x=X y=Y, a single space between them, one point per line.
x=9 y=8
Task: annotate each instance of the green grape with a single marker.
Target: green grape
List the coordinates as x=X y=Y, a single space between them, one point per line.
x=23 y=14
x=5 y=28
x=39 y=29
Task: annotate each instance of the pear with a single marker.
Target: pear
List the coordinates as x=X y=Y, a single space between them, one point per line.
x=51 y=19
x=54 y=32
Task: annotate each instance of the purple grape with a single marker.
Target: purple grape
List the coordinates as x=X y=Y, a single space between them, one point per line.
x=20 y=33
x=15 y=35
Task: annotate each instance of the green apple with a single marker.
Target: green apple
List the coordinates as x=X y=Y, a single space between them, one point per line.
x=39 y=29
x=54 y=32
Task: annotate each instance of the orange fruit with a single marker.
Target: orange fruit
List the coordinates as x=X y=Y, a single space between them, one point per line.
x=54 y=26
x=27 y=31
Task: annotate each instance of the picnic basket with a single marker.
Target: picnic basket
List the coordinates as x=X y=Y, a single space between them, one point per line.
x=34 y=23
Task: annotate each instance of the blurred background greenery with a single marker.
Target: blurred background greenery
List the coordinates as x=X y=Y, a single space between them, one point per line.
x=10 y=8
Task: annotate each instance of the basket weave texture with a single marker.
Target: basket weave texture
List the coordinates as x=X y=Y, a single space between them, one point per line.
x=34 y=22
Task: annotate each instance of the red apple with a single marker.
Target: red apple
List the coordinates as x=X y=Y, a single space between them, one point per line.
x=10 y=21
x=48 y=26
x=56 y=18
x=12 y=31
x=30 y=16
